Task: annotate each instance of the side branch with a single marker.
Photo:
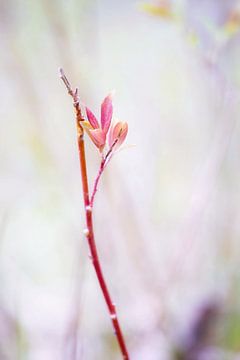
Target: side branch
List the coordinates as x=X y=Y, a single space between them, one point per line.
x=103 y=164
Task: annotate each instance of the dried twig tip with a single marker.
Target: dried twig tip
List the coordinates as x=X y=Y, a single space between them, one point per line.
x=65 y=81
x=61 y=73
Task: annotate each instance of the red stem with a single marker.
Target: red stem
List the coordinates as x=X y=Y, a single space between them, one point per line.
x=102 y=167
x=88 y=214
x=93 y=250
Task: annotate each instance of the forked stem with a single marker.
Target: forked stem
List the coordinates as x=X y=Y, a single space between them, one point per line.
x=88 y=204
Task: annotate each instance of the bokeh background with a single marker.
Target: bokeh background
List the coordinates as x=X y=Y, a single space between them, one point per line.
x=167 y=213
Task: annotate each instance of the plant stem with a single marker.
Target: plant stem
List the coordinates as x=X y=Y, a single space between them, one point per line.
x=102 y=165
x=93 y=250
x=101 y=168
x=89 y=221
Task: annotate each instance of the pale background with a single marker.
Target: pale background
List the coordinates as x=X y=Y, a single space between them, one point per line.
x=167 y=213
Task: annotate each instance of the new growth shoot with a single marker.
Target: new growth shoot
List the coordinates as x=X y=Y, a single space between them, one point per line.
x=107 y=137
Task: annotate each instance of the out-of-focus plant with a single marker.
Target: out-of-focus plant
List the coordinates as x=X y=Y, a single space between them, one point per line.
x=100 y=133
x=232 y=23
x=213 y=333
x=163 y=9
x=201 y=334
x=221 y=33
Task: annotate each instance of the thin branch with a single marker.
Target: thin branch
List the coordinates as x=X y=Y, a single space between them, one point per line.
x=89 y=231
x=103 y=164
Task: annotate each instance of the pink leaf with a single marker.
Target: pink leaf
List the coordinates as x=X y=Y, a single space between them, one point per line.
x=98 y=137
x=92 y=119
x=118 y=133
x=106 y=113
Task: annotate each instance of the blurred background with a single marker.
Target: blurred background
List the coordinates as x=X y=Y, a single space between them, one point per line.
x=167 y=213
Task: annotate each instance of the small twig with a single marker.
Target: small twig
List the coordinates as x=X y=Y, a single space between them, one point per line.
x=89 y=232
x=101 y=169
x=76 y=104
x=66 y=82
